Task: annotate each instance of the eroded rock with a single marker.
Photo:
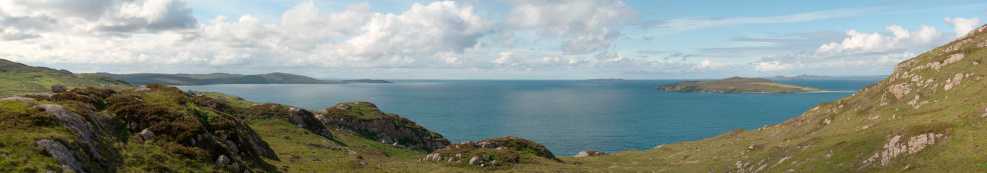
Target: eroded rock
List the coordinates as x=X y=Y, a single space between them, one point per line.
x=300 y=117
x=590 y=153
x=898 y=147
x=88 y=136
x=899 y=90
x=367 y=120
x=953 y=82
x=62 y=154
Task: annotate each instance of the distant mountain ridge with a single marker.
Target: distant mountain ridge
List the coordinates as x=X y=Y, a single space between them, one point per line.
x=225 y=78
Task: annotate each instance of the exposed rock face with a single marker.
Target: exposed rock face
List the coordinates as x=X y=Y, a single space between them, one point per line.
x=58 y=88
x=300 y=117
x=490 y=152
x=896 y=147
x=367 y=120
x=97 y=116
x=67 y=158
x=899 y=90
x=88 y=136
x=953 y=82
x=590 y=153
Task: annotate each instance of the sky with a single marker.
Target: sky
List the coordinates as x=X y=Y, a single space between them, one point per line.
x=482 y=39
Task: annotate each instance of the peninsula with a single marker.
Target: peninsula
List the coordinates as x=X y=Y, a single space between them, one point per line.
x=736 y=85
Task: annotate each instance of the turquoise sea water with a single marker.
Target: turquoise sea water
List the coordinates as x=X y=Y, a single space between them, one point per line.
x=566 y=116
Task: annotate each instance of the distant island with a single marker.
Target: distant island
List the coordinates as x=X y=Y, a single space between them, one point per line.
x=223 y=78
x=736 y=85
x=605 y=80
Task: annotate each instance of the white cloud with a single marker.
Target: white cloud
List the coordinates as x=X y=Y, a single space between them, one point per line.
x=423 y=30
x=962 y=26
x=152 y=34
x=708 y=64
x=683 y=24
x=584 y=26
x=772 y=66
x=900 y=39
x=10 y=33
x=96 y=16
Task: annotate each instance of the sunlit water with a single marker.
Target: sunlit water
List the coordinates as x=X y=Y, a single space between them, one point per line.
x=566 y=116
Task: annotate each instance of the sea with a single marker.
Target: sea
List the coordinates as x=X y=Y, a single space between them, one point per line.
x=567 y=116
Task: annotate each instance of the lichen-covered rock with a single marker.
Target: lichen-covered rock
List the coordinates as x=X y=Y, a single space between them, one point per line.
x=953 y=82
x=896 y=147
x=899 y=90
x=88 y=136
x=366 y=119
x=58 y=88
x=62 y=154
x=590 y=153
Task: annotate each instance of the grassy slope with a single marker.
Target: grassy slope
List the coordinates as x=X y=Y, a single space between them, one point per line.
x=17 y=78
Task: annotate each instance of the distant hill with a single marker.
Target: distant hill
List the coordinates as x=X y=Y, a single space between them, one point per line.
x=17 y=78
x=736 y=85
x=224 y=78
x=820 y=77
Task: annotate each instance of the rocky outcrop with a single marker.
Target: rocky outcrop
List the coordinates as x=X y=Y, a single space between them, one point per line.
x=590 y=153
x=897 y=147
x=366 y=119
x=300 y=117
x=89 y=137
x=200 y=133
x=65 y=157
x=490 y=152
x=160 y=115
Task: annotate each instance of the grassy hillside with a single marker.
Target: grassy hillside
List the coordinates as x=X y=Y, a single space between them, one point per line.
x=736 y=85
x=223 y=78
x=928 y=116
x=19 y=78
x=215 y=78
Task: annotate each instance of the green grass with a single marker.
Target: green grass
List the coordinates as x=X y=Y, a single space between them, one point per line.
x=21 y=82
x=22 y=126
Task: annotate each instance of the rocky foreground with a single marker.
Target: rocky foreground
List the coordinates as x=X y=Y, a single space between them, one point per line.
x=128 y=130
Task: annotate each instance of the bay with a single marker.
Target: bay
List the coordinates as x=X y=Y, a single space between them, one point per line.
x=566 y=116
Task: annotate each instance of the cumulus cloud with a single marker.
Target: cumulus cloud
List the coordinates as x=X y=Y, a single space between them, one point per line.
x=962 y=26
x=95 y=16
x=899 y=39
x=160 y=32
x=707 y=64
x=10 y=34
x=683 y=24
x=423 y=30
x=584 y=26
x=771 y=66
